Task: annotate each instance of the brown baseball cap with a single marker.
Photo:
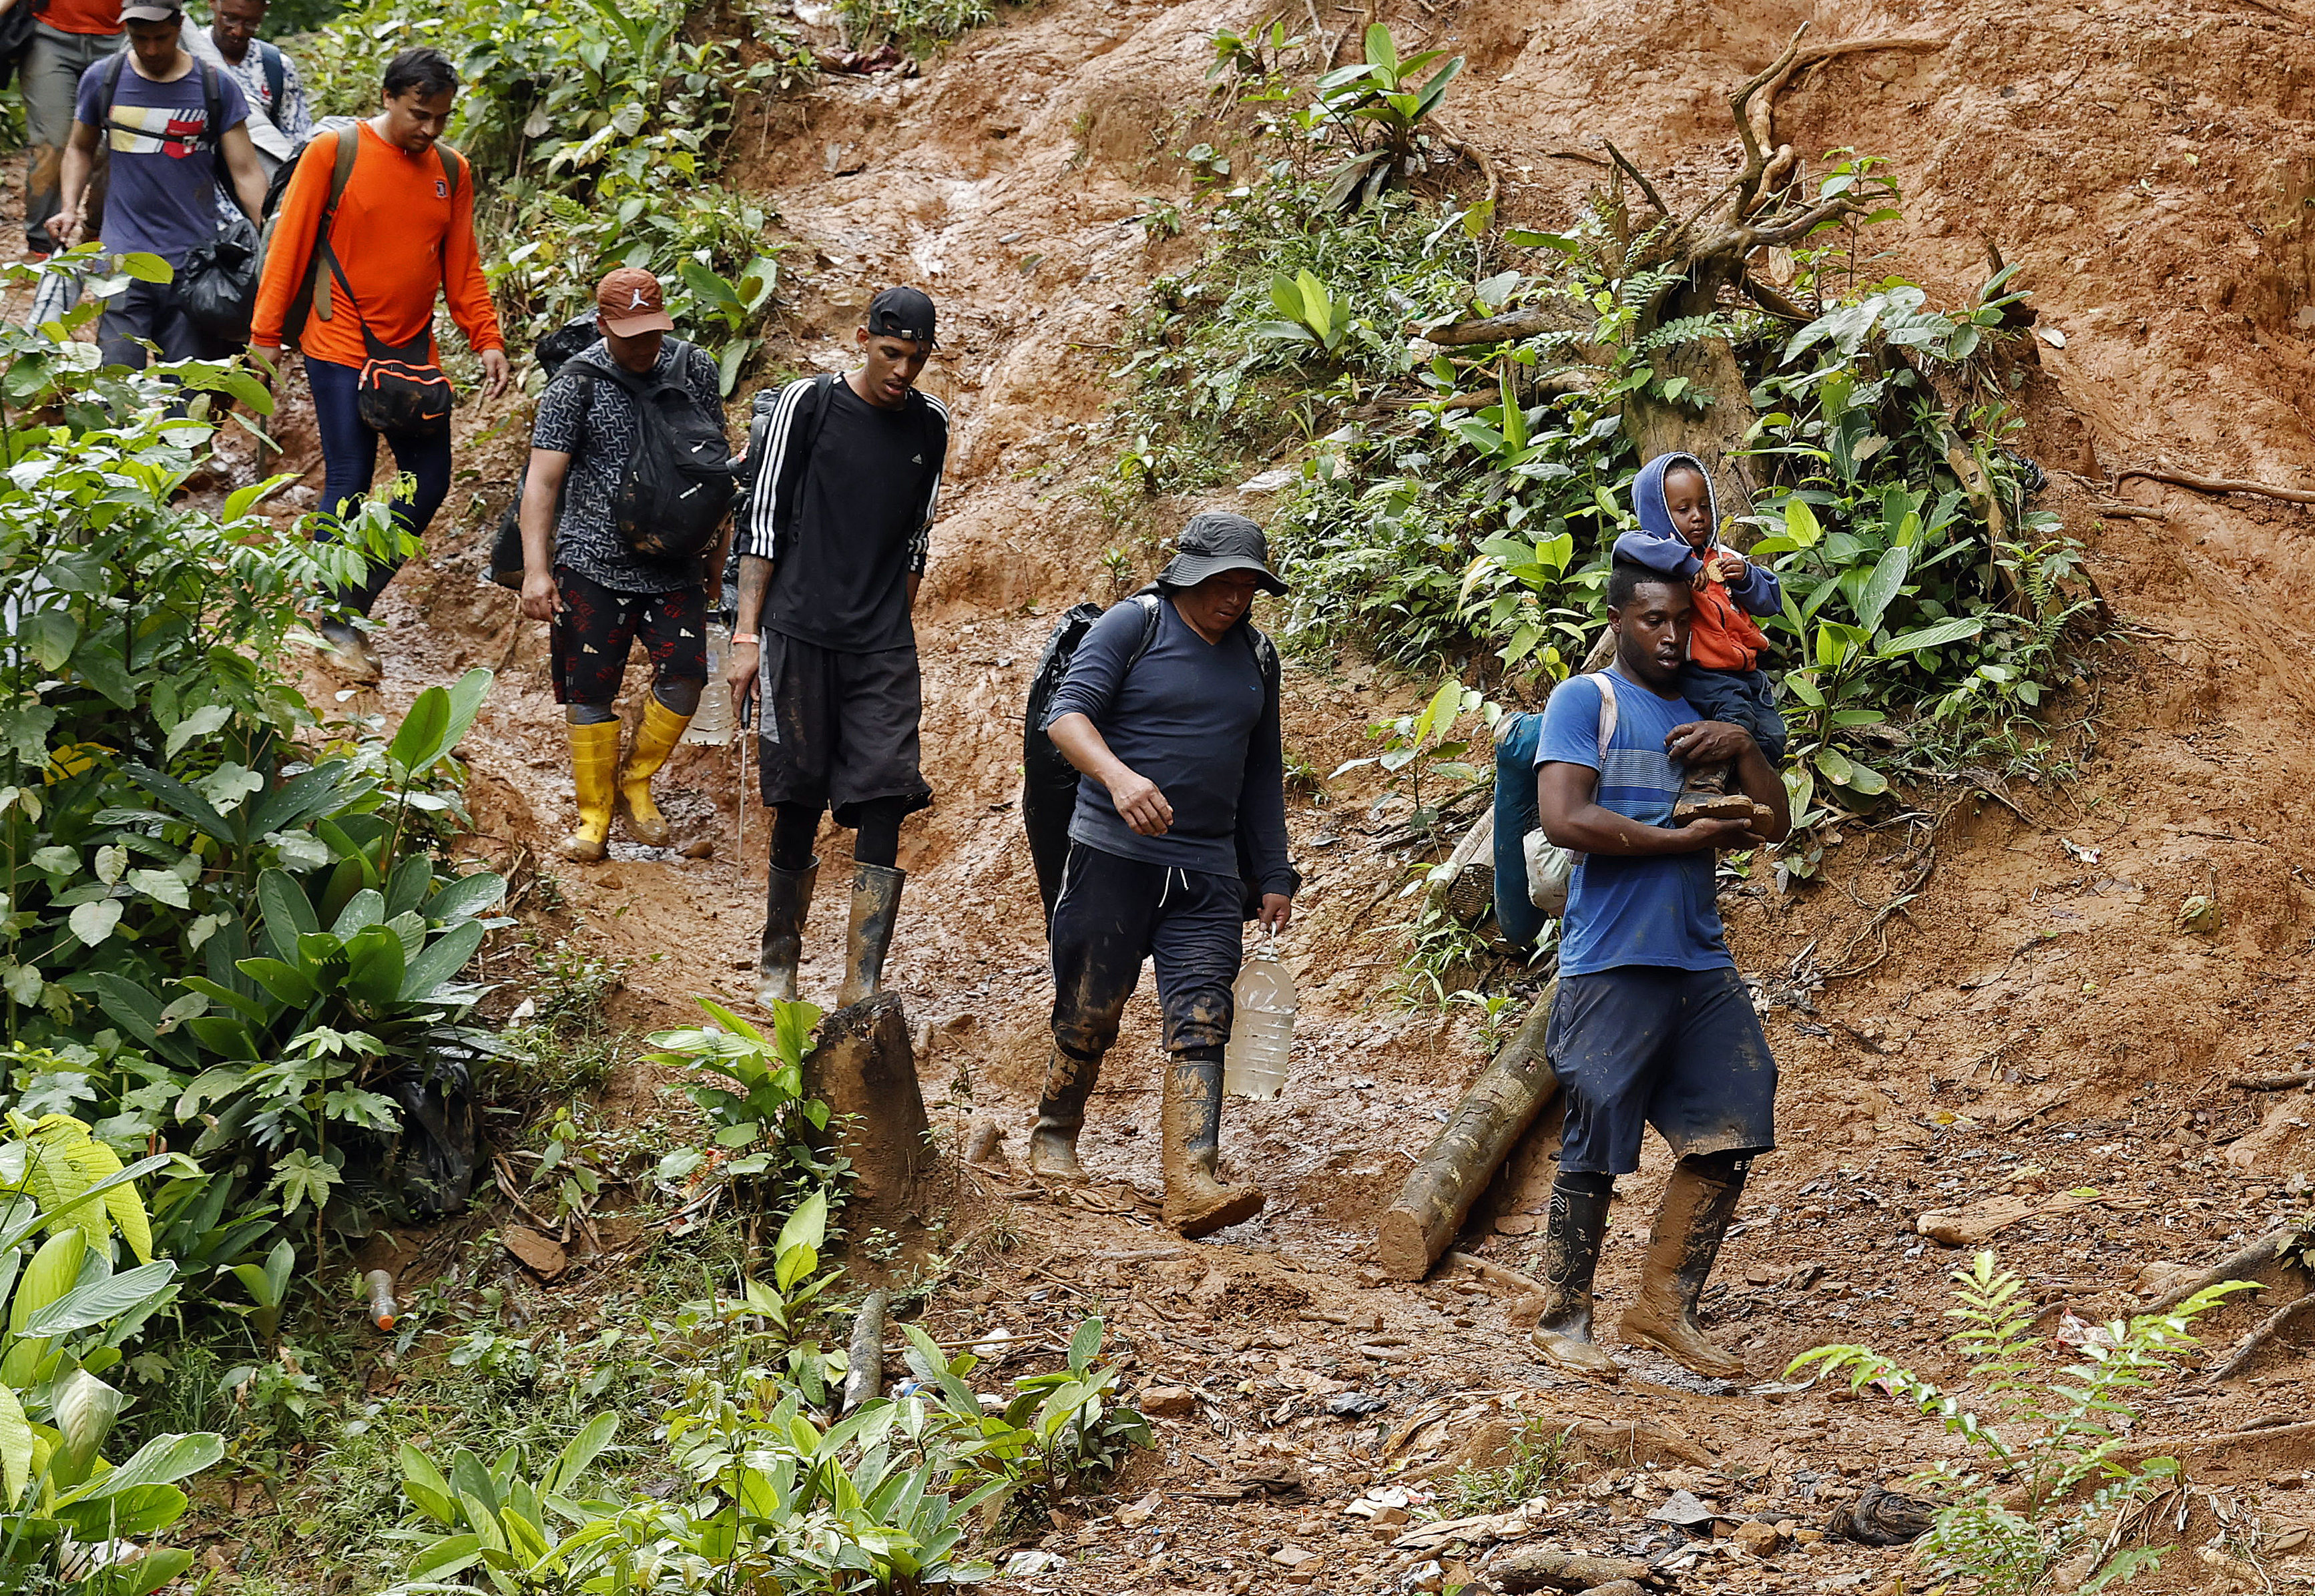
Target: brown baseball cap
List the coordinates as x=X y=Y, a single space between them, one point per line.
x=629 y=301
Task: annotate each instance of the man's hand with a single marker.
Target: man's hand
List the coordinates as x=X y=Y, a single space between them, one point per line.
x=64 y=228
x=1703 y=834
x=1277 y=911
x=496 y=373
x=741 y=661
x=1137 y=800
x=541 y=599
x=1707 y=742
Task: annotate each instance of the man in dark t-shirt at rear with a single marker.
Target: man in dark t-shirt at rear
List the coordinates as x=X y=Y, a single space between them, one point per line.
x=832 y=545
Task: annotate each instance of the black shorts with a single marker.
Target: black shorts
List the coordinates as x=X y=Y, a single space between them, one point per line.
x=838 y=731
x=1680 y=1050
x=1115 y=912
x=590 y=641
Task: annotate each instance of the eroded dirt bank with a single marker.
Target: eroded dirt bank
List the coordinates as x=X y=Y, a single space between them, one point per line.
x=2036 y=1021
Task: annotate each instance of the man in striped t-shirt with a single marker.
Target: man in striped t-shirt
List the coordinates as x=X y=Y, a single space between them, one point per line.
x=832 y=545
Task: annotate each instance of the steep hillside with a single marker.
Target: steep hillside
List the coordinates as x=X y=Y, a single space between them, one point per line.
x=1993 y=992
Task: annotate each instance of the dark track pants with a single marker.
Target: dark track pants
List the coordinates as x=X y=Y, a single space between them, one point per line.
x=1114 y=912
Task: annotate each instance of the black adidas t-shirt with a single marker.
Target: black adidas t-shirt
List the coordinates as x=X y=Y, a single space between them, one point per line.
x=865 y=508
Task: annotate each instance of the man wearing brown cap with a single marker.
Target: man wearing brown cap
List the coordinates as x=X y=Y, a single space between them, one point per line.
x=600 y=593
x=832 y=547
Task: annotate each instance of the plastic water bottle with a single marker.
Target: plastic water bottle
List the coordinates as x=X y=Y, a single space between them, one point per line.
x=1254 y=1065
x=712 y=723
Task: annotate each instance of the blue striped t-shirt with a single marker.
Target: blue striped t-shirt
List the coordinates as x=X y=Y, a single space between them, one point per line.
x=1660 y=910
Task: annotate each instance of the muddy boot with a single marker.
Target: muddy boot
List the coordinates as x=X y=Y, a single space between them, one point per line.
x=1060 y=1115
x=875 y=905
x=594 y=761
x=1697 y=1205
x=1196 y=1202
x=1705 y=796
x=346 y=652
x=655 y=740
x=1570 y=1255
x=788 y=898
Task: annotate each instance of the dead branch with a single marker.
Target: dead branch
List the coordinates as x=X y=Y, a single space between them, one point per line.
x=1639 y=177
x=2268 y=1329
x=1527 y=1284
x=1772 y=299
x=1477 y=157
x=2272 y=1082
x=2262 y=1253
x=1739 y=104
x=2221 y=484
x=1508 y=327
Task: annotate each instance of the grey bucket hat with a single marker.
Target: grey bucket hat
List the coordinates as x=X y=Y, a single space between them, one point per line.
x=1215 y=541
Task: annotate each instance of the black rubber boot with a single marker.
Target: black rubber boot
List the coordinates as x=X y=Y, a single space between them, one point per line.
x=788 y=898
x=1699 y=1203
x=1197 y=1202
x=1571 y=1257
x=876 y=906
x=1060 y=1115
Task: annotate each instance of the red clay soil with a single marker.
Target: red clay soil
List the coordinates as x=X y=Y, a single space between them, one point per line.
x=2036 y=1021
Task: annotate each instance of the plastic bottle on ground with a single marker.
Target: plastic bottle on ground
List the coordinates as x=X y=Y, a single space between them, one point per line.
x=713 y=723
x=1254 y=1065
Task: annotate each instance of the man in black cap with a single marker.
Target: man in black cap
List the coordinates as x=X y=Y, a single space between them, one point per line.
x=1170 y=711
x=832 y=545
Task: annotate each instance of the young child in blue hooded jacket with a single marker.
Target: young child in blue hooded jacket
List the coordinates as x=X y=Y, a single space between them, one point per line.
x=1680 y=518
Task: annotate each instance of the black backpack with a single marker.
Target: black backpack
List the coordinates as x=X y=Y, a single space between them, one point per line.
x=678 y=483
x=1049 y=782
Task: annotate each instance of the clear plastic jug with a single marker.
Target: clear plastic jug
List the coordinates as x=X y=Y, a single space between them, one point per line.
x=712 y=723
x=1254 y=1065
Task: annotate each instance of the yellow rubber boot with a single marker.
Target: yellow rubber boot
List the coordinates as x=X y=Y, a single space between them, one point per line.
x=655 y=740
x=594 y=764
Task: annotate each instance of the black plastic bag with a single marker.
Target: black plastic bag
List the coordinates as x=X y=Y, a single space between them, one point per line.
x=217 y=284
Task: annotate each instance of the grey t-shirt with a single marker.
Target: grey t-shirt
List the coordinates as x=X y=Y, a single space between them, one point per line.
x=594 y=422
x=1196 y=718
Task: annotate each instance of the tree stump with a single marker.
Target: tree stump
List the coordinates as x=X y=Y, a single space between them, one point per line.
x=865 y=1069
x=1494 y=1115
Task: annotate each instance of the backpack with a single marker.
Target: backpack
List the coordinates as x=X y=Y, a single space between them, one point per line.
x=278 y=185
x=553 y=352
x=16 y=37
x=1049 y=782
x=678 y=482
x=1531 y=874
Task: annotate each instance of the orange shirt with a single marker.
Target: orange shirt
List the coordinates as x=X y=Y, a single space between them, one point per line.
x=83 y=16
x=401 y=233
x=1721 y=635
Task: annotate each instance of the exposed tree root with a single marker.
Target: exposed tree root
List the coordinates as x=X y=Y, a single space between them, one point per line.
x=2262 y=1253
x=2274 y=1324
x=2221 y=484
x=2288 y=1082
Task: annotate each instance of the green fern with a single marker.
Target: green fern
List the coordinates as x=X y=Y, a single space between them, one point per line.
x=2041 y=1437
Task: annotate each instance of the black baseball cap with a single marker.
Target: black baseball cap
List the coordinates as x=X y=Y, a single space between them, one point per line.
x=1215 y=541
x=903 y=313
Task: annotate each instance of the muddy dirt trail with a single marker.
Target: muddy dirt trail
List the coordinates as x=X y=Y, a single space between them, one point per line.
x=2034 y=1023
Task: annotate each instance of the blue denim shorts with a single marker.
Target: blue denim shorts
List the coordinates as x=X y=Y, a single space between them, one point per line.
x=1680 y=1050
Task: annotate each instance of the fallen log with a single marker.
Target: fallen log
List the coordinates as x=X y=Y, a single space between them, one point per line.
x=864 y=1354
x=1494 y=1115
x=1508 y=327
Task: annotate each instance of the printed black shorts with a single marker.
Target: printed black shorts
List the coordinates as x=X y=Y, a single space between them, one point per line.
x=591 y=640
x=1680 y=1050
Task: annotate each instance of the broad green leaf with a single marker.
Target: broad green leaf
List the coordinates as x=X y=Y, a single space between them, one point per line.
x=100 y=1301
x=144 y=267
x=1882 y=587
x=285 y=982
x=441 y=960
x=418 y=742
x=84 y=1408
x=288 y=912
x=468 y=895
x=15 y=1446
x=93 y=922
x=1801 y=523
x=375 y=966
x=1936 y=636
x=1318 y=304
x=139 y=1510
x=365 y=907
x=585 y=1449
x=163 y=1460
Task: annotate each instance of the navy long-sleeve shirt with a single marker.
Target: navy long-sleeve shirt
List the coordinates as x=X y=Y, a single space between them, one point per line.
x=1194 y=717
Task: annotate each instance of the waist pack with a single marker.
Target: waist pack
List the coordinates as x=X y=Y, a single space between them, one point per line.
x=678 y=481
x=1049 y=782
x=1531 y=872
x=401 y=391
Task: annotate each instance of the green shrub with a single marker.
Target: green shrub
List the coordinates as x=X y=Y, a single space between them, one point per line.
x=2048 y=1489
x=919 y=27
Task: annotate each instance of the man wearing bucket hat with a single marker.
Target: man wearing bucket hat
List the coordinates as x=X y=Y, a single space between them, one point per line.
x=600 y=594
x=832 y=547
x=1170 y=712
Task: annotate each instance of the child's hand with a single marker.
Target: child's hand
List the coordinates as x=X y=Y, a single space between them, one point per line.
x=1729 y=567
x=1702 y=579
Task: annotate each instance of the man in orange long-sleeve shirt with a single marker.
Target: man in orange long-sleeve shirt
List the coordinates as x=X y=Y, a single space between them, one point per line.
x=403 y=231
